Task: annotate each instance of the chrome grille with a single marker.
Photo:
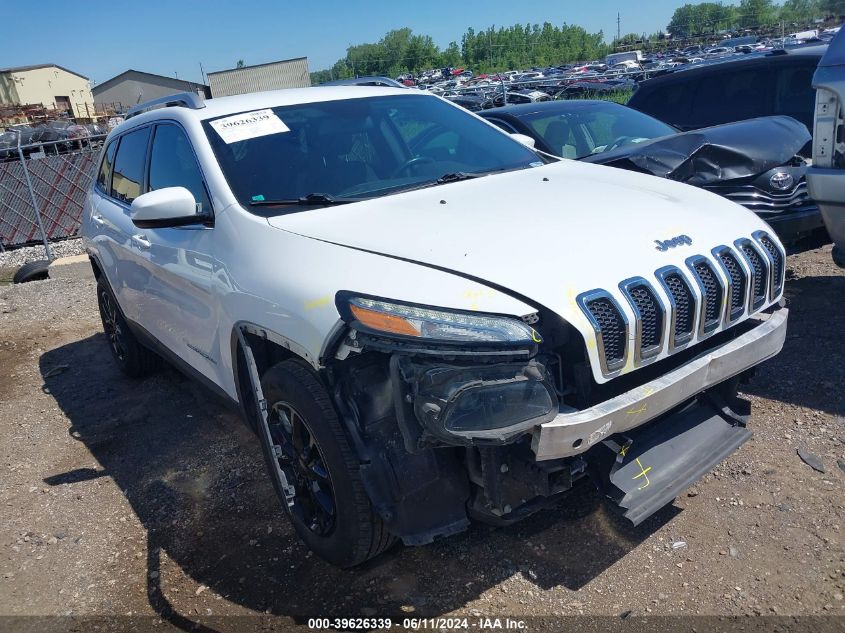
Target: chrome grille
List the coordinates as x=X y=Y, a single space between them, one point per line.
x=611 y=328
x=776 y=258
x=736 y=277
x=712 y=293
x=683 y=305
x=649 y=314
x=759 y=273
x=766 y=202
x=735 y=281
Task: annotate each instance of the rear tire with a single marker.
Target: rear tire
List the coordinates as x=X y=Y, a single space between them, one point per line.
x=32 y=271
x=134 y=359
x=315 y=470
x=839 y=256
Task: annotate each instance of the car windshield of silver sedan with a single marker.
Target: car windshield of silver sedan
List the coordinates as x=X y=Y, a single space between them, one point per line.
x=292 y=158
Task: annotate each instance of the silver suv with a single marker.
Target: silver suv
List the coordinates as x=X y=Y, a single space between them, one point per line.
x=827 y=176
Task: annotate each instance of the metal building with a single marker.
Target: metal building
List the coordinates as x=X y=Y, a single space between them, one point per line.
x=49 y=85
x=132 y=87
x=289 y=73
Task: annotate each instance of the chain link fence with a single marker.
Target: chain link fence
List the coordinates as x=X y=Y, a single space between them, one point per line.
x=43 y=188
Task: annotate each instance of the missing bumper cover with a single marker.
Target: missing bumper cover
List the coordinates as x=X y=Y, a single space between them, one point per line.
x=461 y=404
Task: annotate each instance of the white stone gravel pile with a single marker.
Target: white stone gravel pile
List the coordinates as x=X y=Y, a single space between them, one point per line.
x=20 y=256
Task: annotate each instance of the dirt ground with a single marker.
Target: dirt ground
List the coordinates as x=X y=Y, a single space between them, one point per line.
x=149 y=498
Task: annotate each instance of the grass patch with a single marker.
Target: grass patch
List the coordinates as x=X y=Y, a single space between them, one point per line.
x=621 y=96
x=6 y=275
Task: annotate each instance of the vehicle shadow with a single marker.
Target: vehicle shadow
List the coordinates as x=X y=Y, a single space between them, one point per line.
x=194 y=476
x=802 y=373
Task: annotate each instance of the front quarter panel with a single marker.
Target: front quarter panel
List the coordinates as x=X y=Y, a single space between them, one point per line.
x=286 y=284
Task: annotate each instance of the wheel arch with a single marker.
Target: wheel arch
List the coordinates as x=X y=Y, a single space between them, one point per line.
x=266 y=349
x=95 y=266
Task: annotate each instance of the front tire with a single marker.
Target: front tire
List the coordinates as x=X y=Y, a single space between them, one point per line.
x=134 y=359
x=315 y=470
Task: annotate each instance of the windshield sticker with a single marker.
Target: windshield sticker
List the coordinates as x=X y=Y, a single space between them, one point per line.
x=258 y=198
x=249 y=125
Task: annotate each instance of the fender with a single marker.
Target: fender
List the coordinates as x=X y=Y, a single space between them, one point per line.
x=249 y=362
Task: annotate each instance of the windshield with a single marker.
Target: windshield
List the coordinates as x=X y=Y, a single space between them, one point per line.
x=356 y=148
x=585 y=131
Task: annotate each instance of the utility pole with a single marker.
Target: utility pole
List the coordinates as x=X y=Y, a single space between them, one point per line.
x=618 y=27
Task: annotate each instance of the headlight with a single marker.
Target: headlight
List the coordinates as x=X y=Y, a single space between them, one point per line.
x=432 y=324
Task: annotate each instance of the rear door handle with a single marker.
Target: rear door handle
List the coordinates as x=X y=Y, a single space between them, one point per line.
x=141 y=241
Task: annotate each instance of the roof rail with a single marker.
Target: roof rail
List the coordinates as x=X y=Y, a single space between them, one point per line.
x=184 y=99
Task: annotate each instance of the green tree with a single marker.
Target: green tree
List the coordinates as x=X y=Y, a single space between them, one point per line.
x=518 y=46
x=833 y=7
x=799 y=11
x=450 y=57
x=626 y=40
x=240 y=64
x=701 y=19
x=757 y=13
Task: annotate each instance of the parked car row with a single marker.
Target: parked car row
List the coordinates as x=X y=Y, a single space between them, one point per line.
x=52 y=137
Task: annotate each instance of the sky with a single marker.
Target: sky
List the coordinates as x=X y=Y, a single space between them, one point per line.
x=102 y=39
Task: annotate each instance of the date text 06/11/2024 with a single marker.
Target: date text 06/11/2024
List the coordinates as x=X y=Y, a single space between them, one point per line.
x=419 y=624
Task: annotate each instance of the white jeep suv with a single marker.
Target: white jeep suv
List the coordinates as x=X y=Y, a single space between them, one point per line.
x=423 y=322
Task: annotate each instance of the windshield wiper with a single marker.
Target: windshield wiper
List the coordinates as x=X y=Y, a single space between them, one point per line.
x=458 y=176
x=315 y=199
x=443 y=180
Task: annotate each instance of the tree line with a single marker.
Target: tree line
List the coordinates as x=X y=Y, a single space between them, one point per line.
x=703 y=18
x=402 y=51
x=522 y=46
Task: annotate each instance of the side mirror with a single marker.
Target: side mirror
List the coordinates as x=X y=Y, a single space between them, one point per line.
x=171 y=206
x=524 y=139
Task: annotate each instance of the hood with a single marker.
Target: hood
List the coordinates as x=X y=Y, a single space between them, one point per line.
x=544 y=235
x=714 y=154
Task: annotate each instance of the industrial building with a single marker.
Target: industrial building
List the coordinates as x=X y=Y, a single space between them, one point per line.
x=134 y=86
x=288 y=73
x=48 y=86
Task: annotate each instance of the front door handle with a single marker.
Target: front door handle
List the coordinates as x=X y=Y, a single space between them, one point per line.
x=98 y=219
x=141 y=241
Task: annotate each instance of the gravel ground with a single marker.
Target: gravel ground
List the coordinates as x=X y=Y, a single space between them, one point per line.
x=19 y=256
x=147 y=497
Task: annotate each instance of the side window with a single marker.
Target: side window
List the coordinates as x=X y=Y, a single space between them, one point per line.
x=173 y=164
x=725 y=97
x=794 y=94
x=104 y=175
x=128 y=178
x=670 y=102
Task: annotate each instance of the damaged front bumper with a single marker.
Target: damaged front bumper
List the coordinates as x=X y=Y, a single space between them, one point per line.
x=573 y=432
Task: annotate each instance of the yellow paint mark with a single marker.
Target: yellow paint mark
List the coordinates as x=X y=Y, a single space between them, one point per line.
x=535 y=337
x=643 y=408
x=647 y=391
x=474 y=295
x=643 y=473
x=623 y=450
x=318 y=303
